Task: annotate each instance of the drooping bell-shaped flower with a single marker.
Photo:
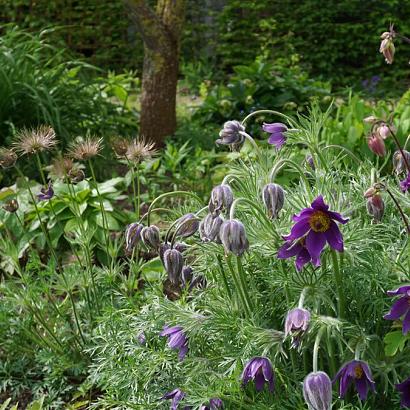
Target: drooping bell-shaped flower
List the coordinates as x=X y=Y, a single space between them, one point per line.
x=358 y=373
x=210 y=227
x=404 y=389
x=317 y=391
x=231 y=135
x=233 y=237
x=376 y=144
x=214 y=404
x=176 y=340
x=150 y=236
x=277 y=133
x=318 y=225
x=375 y=207
x=173 y=263
x=296 y=324
x=11 y=206
x=273 y=197
x=132 y=236
x=399 y=163
x=221 y=199
x=387 y=46
x=260 y=370
x=187 y=225
x=46 y=193
x=405 y=184
x=401 y=307
x=298 y=249
x=176 y=396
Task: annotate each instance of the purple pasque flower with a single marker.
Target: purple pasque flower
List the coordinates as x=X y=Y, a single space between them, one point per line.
x=46 y=192
x=260 y=370
x=296 y=324
x=317 y=224
x=132 y=235
x=404 y=389
x=405 y=184
x=317 y=391
x=233 y=237
x=357 y=372
x=298 y=249
x=277 y=136
x=214 y=404
x=401 y=307
x=176 y=396
x=176 y=340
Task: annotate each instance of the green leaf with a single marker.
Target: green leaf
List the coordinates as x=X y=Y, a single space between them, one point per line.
x=5 y=404
x=113 y=225
x=152 y=270
x=394 y=341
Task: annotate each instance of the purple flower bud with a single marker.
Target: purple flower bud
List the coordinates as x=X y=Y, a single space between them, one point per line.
x=150 y=236
x=176 y=340
x=273 y=197
x=309 y=161
x=375 y=207
x=187 y=275
x=210 y=227
x=296 y=324
x=214 y=404
x=132 y=236
x=187 y=225
x=173 y=263
x=233 y=237
x=384 y=131
x=221 y=199
x=399 y=163
x=231 y=135
x=376 y=145
x=142 y=340
x=317 y=391
x=46 y=193
x=176 y=396
x=260 y=370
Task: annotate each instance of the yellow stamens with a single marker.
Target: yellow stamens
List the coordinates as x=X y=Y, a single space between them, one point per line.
x=319 y=221
x=358 y=372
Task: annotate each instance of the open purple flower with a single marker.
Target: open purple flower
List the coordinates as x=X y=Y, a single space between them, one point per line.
x=260 y=370
x=176 y=396
x=296 y=324
x=317 y=224
x=46 y=192
x=405 y=184
x=298 y=249
x=401 y=307
x=176 y=340
x=357 y=372
x=404 y=389
x=277 y=136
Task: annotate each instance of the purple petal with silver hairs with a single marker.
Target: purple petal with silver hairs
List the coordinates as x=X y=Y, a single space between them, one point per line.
x=405 y=184
x=233 y=237
x=260 y=370
x=132 y=236
x=404 y=389
x=317 y=391
x=277 y=131
x=296 y=324
x=176 y=396
x=176 y=340
x=401 y=307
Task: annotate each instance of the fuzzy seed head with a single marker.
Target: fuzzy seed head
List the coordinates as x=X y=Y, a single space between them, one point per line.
x=7 y=158
x=139 y=150
x=35 y=140
x=84 y=149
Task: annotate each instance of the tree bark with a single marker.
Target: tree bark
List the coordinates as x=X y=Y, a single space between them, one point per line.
x=160 y=31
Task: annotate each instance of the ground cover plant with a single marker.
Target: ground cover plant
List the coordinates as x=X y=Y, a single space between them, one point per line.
x=275 y=278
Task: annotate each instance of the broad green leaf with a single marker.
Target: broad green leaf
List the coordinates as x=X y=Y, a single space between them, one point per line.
x=394 y=341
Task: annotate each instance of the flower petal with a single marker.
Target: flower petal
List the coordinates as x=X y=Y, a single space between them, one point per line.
x=400 y=291
x=259 y=381
x=337 y=217
x=334 y=237
x=398 y=309
x=319 y=204
x=406 y=323
x=362 y=388
x=289 y=249
x=302 y=259
x=298 y=230
x=315 y=242
x=275 y=127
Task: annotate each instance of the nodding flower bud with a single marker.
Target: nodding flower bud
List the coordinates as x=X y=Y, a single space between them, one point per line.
x=11 y=206
x=399 y=163
x=376 y=145
x=221 y=199
x=76 y=175
x=387 y=46
x=310 y=162
x=371 y=119
x=233 y=237
x=210 y=227
x=375 y=207
x=173 y=263
x=317 y=391
x=132 y=236
x=384 y=131
x=7 y=158
x=231 y=135
x=191 y=280
x=142 y=340
x=273 y=197
x=150 y=236
x=296 y=324
x=187 y=225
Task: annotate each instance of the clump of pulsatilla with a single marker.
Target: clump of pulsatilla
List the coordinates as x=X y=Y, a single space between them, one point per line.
x=375 y=203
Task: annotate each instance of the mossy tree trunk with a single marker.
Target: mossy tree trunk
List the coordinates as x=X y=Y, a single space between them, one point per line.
x=160 y=31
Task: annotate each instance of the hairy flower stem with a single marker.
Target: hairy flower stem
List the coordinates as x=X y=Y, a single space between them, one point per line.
x=252 y=141
x=238 y=286
x=302 y=297
x=103 y=215
x=224 y=278
x=399 y=148
x=403 y=216
x=316 y=348
x=242 y=278
x=266 y=112
x=339 y=285
x=135 y=187
x=165 y=195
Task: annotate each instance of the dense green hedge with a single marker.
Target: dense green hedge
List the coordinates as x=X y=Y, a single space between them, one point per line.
x=336 y=39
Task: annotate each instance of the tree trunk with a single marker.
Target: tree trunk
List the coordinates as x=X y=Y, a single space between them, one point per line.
x=160 y=31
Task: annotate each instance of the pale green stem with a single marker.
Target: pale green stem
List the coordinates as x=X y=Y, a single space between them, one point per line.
x=316 y=348
x=339 y=285
x=251 y=140
x=280 y=164
x=302 y=297
x=244 y=285
x=266 y=112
